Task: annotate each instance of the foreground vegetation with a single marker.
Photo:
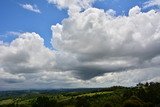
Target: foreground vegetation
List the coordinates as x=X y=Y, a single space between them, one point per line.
x=143 y=95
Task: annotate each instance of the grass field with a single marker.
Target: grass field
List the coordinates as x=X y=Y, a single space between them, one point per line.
x=6 y=102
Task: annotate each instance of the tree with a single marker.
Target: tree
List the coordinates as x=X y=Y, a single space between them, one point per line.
x=44 y=102
x=132 y=103
x=82 y=102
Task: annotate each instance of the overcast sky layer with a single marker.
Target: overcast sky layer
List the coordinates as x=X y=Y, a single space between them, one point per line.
x=48 y=44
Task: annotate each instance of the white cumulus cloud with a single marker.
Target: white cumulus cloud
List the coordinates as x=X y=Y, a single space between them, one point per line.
x=73 y=6
x=92 y=48
x=26 y=63
x=93 y=42
x=26 y=54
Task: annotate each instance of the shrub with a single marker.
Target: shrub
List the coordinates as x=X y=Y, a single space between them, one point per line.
x=132 y=103
x=108 y=105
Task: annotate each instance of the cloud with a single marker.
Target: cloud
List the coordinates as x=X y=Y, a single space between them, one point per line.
x=72 y=3
x=73 y=6
x=26 y=54
x=13 y=33
x=24 y=60
x=28 y=64
x=94 y=48
x=135 y=10
x=128 y=78
x=94 y=42
x=111 y=12
x=30 y=7
x=151 y=3
x=1 y=42
x=10 y=78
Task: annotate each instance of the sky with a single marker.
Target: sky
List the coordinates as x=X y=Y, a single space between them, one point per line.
x=48 y=44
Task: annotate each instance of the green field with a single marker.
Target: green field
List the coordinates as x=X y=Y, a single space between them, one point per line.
x=143 y=95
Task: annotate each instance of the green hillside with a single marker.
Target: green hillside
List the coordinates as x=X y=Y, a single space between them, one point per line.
x=143 y=95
